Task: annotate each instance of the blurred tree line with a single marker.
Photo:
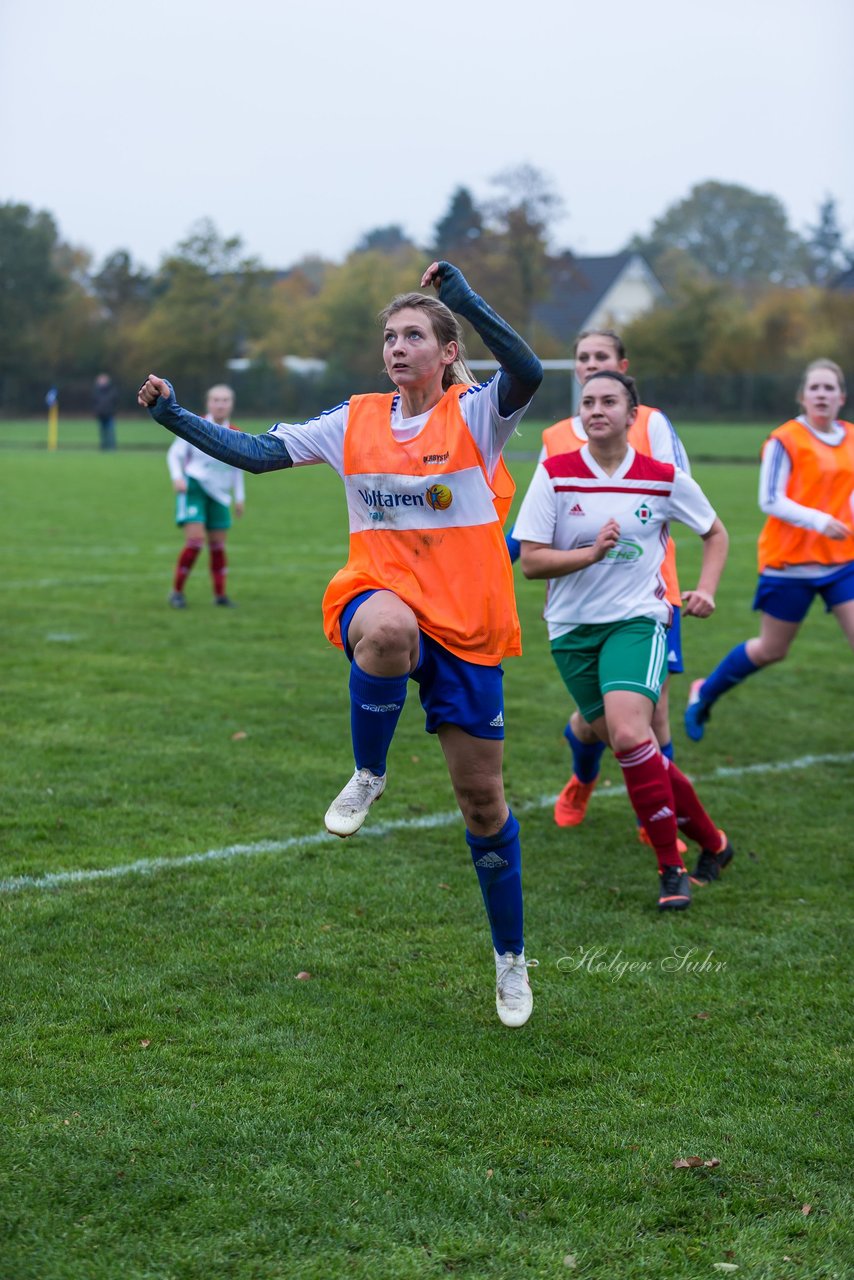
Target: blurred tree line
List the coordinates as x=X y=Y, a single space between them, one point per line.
x=747 y=303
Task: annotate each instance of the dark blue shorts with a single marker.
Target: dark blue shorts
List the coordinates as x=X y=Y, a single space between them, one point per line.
x=789 y=599
x=452 y=691
x=675 y=665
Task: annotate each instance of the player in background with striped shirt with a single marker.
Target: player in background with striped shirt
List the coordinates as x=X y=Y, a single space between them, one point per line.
x=427 y=591
x=806 y=547
x=595 y=522
x=204 y=489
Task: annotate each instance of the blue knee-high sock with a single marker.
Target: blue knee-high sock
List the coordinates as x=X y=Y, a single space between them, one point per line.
x=498 y=862
x=586 y=757
x=734 y=668
x=375 y=706
x=514 y=546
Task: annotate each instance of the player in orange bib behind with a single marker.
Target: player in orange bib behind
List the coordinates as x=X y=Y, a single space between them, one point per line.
x=427 y=591
x=806 y=547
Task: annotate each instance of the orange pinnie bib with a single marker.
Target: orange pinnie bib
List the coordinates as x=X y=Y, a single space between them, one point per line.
x=426 y=523
x=822 y=477
x=561 y=438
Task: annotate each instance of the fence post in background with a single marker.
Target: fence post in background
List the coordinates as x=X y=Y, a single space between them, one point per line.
x=52 y=402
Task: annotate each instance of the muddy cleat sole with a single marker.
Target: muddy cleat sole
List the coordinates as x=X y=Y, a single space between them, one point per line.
x=674 y=890
x=571 y=804
x=350 y=807
x=514 y=999
x=710 y=866
x=696 y=712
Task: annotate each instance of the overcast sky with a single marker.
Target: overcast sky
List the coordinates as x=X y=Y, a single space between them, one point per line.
x=299 y=126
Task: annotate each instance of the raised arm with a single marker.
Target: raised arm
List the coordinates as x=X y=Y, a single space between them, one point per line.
x=521 y=371
x=264 y=452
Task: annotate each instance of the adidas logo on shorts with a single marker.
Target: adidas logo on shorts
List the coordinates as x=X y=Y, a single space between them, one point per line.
x=498 y=722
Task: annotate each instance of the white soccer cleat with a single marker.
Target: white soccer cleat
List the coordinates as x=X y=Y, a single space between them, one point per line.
x=513 y=997
x=350 y=807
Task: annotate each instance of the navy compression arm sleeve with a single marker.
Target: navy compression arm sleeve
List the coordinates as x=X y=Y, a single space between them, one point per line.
x=251 y=453
x=521 y=371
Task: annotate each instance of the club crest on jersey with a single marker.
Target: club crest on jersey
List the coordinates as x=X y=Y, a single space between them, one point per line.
x=644 y=513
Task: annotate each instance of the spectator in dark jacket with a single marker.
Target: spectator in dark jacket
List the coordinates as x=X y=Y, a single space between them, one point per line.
x=104 y=402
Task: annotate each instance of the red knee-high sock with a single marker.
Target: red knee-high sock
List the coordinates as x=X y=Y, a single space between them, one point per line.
x=219 y=568
x=186 y=560
x=691 y=815
x=651 y=796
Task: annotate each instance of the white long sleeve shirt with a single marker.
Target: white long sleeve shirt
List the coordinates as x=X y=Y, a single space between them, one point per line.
x=322 y=438
x=219 y=481
x=774 y=475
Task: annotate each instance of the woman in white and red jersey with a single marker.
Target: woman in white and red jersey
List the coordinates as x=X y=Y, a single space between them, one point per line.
x=653 y=434
x=806 y=548
x=427 y=592
x=204 y=489
x=595 y=523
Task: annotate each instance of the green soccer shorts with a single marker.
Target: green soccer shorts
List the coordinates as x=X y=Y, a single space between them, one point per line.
x=196 y=505
x=596 y=658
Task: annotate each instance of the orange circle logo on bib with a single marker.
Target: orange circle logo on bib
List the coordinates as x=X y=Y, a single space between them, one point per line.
x=439 y=497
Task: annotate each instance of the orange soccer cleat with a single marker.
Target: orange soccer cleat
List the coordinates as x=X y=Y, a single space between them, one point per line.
x=571 y=804
x=643 y=836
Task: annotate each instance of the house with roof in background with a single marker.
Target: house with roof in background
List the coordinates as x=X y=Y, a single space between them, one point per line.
x=590 y=293
x=595 y=293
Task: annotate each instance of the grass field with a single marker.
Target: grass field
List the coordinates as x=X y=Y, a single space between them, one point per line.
x=178 y=1105
x=733 y=441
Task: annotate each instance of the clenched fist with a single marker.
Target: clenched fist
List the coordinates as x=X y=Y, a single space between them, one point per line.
x=151 y=391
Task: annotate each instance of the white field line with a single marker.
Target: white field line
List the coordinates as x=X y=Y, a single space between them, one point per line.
x=149 y=866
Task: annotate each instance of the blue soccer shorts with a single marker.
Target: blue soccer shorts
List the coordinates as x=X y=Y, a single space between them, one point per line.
x=452 y=691
x=675 y=665
x=789 y=599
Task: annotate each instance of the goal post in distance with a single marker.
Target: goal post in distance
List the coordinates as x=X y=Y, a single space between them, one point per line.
x=563 y=366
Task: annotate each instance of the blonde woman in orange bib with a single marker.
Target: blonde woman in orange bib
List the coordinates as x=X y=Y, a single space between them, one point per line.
x=427 y=591
x=806 y=547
